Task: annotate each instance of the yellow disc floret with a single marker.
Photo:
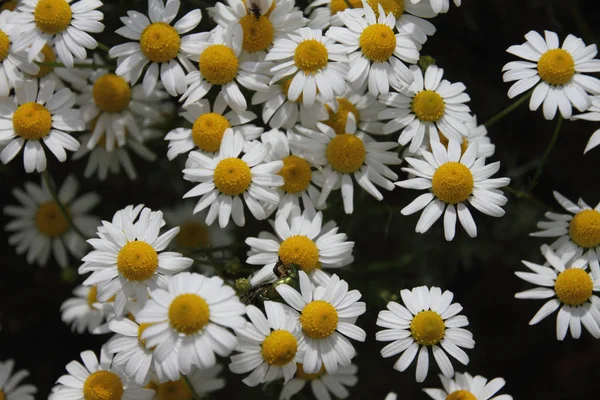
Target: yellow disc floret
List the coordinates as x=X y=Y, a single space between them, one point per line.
x=258 y=32
x=300 y=374
x=556 y=67
x=573 y=286
x=193 y=234
x=52 y=16
x=49 y=221
x=232 y=176
x=311 y=56
x=172 y=390
x=346 y=153
x=32 y=121
x=301 y=251
x=49 y=57
x=427 y=328
x=395 y=7
x=279 y=348
x=428 y=106
x=219 y=64
x=188 y=313
x=337 y=120
x=4 y=45
x=378 y=42
x=137 y=261
x=141 y=330
x=10 y=5
x=2 y=395
x=111 y=93
x=296 y=174
x=464 y=145
x=208 y=130
x=452 y=183
x=340 y=5
x=103 y=385
x=584 y=228
x=92 y=296
x=461 y=395
x=160 y=42
x=319 y=319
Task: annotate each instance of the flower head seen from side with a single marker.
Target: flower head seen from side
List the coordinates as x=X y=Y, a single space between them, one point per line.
x=9 y=383
x=592 y=114
x=322 y=383
x=428 y=319
x=560 y=72
x=566 y=283
x=204 y=381
x=327 y=315
x=452 y=180
x=468 y=387
x=83 y=312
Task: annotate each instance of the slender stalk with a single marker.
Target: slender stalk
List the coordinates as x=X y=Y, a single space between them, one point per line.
x=508 y=109
x=195 y=395
x=216 y=249
x=61 y=65
x=103 y=47
x=540 y=168
x=519 y=194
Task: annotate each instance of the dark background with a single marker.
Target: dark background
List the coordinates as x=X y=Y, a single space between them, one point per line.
x=470 y=45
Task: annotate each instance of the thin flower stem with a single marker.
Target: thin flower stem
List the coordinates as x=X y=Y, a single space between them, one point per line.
x=540 y=168
x=216 y=249
x=61 y=65
x=519 y=194
x=508 y=109
x=103 y=47
x=195 y=395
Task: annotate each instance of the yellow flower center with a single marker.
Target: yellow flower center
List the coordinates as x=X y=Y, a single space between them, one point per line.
x=10 y=5
x=137 y=261
x=208 y=130
x=395 y=7
x=219 y=64
x=103 y=385
x=378 y=42
x=92 y=296
x=4 y=45
x=311 y=56
x=300 y=374
x=452 y=183
x=52 y=16
x=337 y=120
x=285 y=87
x=258 y=32
x=427 y=328
x=279 y=348
x=232 y=176
x=300 y=250
x=2 y=395
x=464 y=145
x=296 y=174
x=49 y=221
x=346 y=153
x=556 y=67
x=49 y=57
x=340 y=5
x=32 y=121
x=188 y=313
x=111 y=93
x=461 y=395
x=193 y=234
x=573 y=286
x=428 y=106
x=141 y=330
x=160 y=42
x=172 y=390
x=584 y=228
x=319 y=319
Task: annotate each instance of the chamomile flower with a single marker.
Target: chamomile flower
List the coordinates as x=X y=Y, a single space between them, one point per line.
x=592 y=114
x=561 y=71
x=314 y=62
x=36 y=115
x=209 y=126
x=569 y=285
x=226 y=178
x=192 y=314
x=376 y=53
x=468 y=387
x=451 y=179
x=430 y=104
x=438 y=6
x=64 y=24
x=158 y=43
x=327 y=315
x=322 y=383
x=83 y=311
x=9 y=383
x=427 y=320
x=204 y=382
x=39 y=227
x=477 y=136
x=129 y=257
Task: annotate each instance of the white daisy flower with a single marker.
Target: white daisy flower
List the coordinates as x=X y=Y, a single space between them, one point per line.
x=316 y=63
x=429 y=104
x=339 y=157
x=208 y=127
x=226 y=178
x=438 y=6
x=427 y=319
x=83 y=312
x=40 y=115
x=568 y=283
x=477 y=136
x=128 y=259
x=94 y=380
x=9 y=383
x=192 y=314
x=391 y=396
x=327 y=315
x=204 y=382
x=166 y=48
x=322 y=383
x=452 y=178
x=375 y=52
x=465 y=386
x=560 y=72
x=60 y=23
x=222 y=64
x=39 y=227
x=592 y=114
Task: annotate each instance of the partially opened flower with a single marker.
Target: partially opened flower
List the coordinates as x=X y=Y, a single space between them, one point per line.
x=9 y=383
x=322 y=383
x=83 y=312
x=468 y=387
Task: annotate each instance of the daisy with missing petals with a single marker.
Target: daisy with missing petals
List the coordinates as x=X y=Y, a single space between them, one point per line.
x=9 y=389
x=375 y=52
x=327 y=315
x=226 y=178
x=204 y=382
x=477 y=136
x=427 y=106
x=427 y=319
x=61 y=23
x=560 y=69
x=36 y=116
x=39 y=227
x=160 y=44
x=450 y=180
x=315 y=62
x=464 y=386
x=592 y=114
x=83 y=312
x=192 y=314
x=322 y=383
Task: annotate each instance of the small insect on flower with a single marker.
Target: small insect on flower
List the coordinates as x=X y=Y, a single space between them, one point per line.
x=255 y=10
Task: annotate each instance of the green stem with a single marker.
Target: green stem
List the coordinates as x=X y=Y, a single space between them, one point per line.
x=61 y=65
x=540 y=168
x=191 y=387
x=103 y=47
x=216 y=249
x=508 y=109
x=519 y=194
